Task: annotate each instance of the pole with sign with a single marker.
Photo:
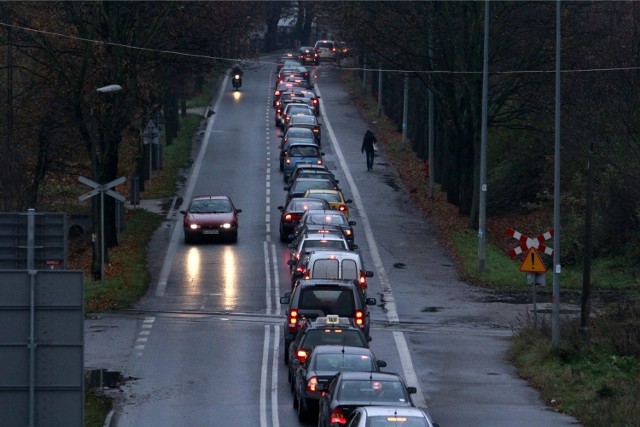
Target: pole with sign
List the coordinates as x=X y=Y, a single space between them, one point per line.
x=101 y=189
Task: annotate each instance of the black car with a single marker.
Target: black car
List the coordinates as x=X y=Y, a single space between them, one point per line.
x=317 y=220
x=310 y=299
x=324 y=362
x=301 y=185
x=350 y=390
x=293 y=211
x=308 y=55
x=323 y=330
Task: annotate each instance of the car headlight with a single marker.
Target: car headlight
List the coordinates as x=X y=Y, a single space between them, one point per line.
x=226 y=225
x=194 y=226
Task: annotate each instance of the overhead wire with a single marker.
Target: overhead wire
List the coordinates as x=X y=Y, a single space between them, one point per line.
x=386 y=70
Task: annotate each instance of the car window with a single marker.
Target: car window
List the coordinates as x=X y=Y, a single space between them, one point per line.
x=297 y=205
x=309 y=245
x=325 y=269
x=303 y=151
x=349 y=269
x=329 y=197
x=343 y=362
x=326 y=219
x=386 y=421
x=210 y=206
x=373 y=391
x=316 y=337
x=338 y=301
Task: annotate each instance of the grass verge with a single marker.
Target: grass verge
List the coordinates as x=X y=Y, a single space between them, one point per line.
x=96 y=408
x=596 y=380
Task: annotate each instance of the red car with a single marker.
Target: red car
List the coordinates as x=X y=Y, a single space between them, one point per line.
x=210 y=217
x=292 y=213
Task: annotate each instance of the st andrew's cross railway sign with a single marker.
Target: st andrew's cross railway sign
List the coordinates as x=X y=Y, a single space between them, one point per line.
x=528 y=242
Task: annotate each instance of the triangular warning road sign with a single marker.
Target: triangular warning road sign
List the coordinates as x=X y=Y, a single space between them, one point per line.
x=532 y=263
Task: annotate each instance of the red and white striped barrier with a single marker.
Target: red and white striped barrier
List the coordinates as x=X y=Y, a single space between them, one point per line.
x=528 y=242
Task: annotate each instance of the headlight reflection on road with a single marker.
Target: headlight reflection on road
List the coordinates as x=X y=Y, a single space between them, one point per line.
x=193 y=265
x=229 y=279
x=236 y=95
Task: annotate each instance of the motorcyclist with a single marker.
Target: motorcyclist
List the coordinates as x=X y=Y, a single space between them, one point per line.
x=237 y=70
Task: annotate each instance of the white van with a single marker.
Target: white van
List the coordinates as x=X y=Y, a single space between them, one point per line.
x=333 y=264
x=327 y=50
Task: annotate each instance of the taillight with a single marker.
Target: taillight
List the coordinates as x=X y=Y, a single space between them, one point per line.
x=363 y=282
x=342 y=208
x=301 y=355
x=312 y=384
x=315 y=101
x=347 y=232
x=319 y=161
x=316 y=130
x=293 y=320
x=287 y=217
x=277 y=93
x=288 y=161
x=360 y=318
x=337 y=417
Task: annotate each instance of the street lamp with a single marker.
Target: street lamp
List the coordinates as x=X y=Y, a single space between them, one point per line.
x=112 y=88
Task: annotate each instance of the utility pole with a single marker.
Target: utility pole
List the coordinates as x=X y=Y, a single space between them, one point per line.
x=405 y=111
x=482 y=214
x=555 y=317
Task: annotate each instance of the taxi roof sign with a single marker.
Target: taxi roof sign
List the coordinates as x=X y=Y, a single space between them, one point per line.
x=333 y=319
x=532 y=263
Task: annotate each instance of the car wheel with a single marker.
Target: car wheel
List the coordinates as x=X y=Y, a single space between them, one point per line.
x=285 y=353
x=283 y=237
x=295 y=401
x=281 y=165
x=188 y=239
x=303 y=413
x=293 y=385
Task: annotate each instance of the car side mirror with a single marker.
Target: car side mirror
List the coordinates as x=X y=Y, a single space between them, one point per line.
x=291 y=245
x=412 y=390
x=354 y=247
x=183 y=212
x=322 y=153
x=368 y=273
x=297 y=273
x=348 y=201
x=337 y=182
x=371 y=301
x=286 y=188
x=381 y=364
x=352 y=223
x=284 y=300
x=369 y=339
x=280 y=208
x=238 y=210
x=291 y=262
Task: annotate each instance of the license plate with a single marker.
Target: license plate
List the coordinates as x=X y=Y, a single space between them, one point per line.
x=210 y=231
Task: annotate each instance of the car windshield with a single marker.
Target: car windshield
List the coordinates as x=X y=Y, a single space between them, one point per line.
x=343 y=362
x=326 y=219
x=210 y=206
x=299 y=133
x=328 y=300
x=330 y=336
x=372 y=391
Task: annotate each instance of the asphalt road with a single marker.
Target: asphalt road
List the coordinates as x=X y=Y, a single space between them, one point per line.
x=204 y=347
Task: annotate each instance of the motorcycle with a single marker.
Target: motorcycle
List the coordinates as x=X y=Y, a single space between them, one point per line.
x=237 y=81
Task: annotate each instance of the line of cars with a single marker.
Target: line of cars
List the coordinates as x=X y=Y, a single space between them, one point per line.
x=333 y=374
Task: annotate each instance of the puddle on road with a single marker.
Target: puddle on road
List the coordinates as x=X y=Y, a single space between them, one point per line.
x=431 y=309
x=390 y=181
x=399 y=265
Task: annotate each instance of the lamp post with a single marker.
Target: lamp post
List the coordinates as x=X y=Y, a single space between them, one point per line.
x=112 y=88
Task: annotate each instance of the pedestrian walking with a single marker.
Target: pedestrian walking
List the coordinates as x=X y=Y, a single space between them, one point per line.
x=368 y=148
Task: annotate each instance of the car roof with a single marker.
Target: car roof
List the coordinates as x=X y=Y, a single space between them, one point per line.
x=304 y=119
x=305 y=200
x=324 y=211
x=209 y=197
x=376 y=376
x=321 y=190
x=403 y=411
x=323 y=236
x=302 y=143
x=339 y=349
x=327 y=282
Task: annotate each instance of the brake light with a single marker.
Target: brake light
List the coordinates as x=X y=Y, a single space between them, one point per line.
x=288 y=161
x=293 y=320
x=316 y=130
x=319 y=161
x=312 y=384
x=342 y=208
x=301 y=355
x=360 y=318
x=347 y=232
x=277 y=93
x=337 y=417
x=314 y=100
x=287 y=217
x=363 y=282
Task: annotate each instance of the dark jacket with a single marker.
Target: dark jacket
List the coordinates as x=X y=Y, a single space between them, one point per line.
x=368 y=141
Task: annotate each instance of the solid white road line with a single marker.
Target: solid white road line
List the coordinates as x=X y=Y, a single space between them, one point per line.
x=390 y=305
x=274 y=378
x=263 y=377
x=191 y=182
x=267 y=278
